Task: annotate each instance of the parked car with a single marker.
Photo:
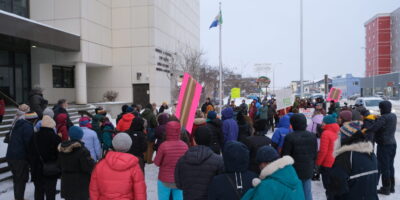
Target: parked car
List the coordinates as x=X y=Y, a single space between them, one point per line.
x=370 y=103
x=353 y=97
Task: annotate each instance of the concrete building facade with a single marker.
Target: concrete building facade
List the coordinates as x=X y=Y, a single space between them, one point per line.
x=127 y=46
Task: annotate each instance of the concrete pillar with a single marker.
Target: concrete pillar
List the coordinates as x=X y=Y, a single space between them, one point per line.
x=80 y=83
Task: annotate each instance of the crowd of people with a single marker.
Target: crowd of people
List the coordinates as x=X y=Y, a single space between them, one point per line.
x=222 y=157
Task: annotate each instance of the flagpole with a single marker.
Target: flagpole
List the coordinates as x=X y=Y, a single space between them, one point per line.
x=220 y=65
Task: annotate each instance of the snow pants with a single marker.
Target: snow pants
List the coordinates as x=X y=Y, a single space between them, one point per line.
x=165 y=192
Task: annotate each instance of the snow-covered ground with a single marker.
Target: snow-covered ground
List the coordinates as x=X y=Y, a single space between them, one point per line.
x=151 y=172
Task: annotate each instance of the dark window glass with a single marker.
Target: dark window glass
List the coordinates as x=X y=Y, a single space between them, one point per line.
x=6 y=5
x=63 y=77
x=19 y=7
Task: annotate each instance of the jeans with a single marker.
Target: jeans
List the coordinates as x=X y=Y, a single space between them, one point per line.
x=151 y=134
x=325 y=171
x=164 y=192
x=307 y=189
x=385 y=155
x=45 y=187
x=20 y=172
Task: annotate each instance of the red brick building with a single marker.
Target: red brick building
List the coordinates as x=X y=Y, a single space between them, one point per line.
x=378 y=45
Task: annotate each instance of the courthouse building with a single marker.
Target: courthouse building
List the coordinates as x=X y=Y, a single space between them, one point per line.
x=79 y=49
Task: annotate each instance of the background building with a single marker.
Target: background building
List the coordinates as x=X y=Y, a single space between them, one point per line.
x=123 y=45
x=349 y=85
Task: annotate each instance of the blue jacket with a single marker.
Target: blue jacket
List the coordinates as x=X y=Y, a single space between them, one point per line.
x=92 y=143
x=236 y=161
x=282 y=130
x=230 y=127
x=278 y=181
x=21 y=135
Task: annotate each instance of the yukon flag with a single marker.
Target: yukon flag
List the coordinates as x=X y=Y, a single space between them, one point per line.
x=217 y=21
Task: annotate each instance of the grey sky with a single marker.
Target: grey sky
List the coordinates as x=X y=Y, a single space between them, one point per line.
x=259 y=31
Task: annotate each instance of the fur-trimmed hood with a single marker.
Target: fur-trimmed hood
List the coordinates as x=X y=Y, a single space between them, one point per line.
x=199 y=121
x=273 y=167
x=69 y=146
x=361 y=147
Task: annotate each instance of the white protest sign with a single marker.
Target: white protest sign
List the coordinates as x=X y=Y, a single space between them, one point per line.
x=284 y=98
x=308 y=113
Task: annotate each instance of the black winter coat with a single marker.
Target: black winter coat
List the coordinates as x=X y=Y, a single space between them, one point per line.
x=385 y=126
x=37 y=103
x=58 y=110
x=346 y=179
x=139 y=143
x=244 y=132
x=254 y=143
x=302 y=147
x=217 y=136
x=45 y=143
x=195 y=170
x=76 y=167
x=20 y=137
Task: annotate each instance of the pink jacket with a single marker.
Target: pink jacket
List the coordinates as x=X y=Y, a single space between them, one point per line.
x=169 y=152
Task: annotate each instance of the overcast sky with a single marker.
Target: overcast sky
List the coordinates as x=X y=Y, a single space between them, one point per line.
x=267 y=31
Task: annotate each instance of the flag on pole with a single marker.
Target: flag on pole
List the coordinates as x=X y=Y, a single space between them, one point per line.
x=217 y=21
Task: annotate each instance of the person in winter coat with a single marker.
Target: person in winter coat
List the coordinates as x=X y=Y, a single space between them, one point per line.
x=244 y=127
x=125 y=123
x=36 y=101
x=236 y=180
x=123 y=108
x=163 y=107
x=230 y=128
x=204 y=106
x=62 y=128
x=217 y=138
x=255 y=142
x=348 y=129
x=198 y=122
x=302 y=146
x=17 y=155
x=316 y=123
x=244 y=107
x=280 y=133
x=263 y=111
x=166 y=158
x=385 y=128
x=160 y=131
x=76 y=166
x=271 y=113
x=325 y=157
x=43 y=149
x=148 y=115
x=49 y=112
x=97 y=118
x=2 y=108
x=139 y=144
x=354 y=174
x=61 y=108
x=253 y=110
x=368 y=121
x=20 y=114
x=108 y=131
x=118 y=175
x=90 y=139
x=278 y=179
x=195 y=170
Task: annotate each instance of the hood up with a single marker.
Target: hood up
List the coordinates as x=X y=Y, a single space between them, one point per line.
x=163 y=118
x=236 y=157
x=173 y=131
x=128 y=117
x=385 y=107
x=227 y=113
x=120 y=161
x=198 y=154
x=284 y=122
x=199 y=121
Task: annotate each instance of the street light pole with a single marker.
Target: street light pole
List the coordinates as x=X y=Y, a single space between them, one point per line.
x=301 y=51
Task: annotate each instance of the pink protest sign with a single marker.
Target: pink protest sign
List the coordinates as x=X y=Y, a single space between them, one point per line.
x=334 y=95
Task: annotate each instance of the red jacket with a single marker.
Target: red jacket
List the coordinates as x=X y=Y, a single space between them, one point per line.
x=2 y=107
x=327 y=145
x=118 y=176
x=61 y=126
x=169 y=152
x=125 y=123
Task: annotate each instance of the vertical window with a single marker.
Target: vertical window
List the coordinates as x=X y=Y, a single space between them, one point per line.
x=19 y=7
x=63 y=77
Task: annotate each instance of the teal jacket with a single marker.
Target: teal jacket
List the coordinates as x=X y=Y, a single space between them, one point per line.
x=263 y=112
x=278 y=181
x=107 y=136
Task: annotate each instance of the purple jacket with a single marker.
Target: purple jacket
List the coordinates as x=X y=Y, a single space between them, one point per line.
x=317 y=119
x=230 y=127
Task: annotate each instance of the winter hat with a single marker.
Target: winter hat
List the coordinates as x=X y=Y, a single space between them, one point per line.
x=298 y=122
x=346 y=115
x=266 y=154
x=122 y=142
x=49 y=112
x=48 y=122
x=31 y=115
x=85 y=122
x=124 y=107
x=24 y=108
x=202 y=136
x=137 y=124
x=356 y=115
x=129 y=109
x=75 y=133
x=212 y=115
x=330 y=119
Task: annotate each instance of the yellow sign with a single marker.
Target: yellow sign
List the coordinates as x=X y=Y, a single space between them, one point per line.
x=235 y=93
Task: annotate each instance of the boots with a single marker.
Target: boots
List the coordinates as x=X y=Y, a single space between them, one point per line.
x=392 y=184
x=386 y=185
